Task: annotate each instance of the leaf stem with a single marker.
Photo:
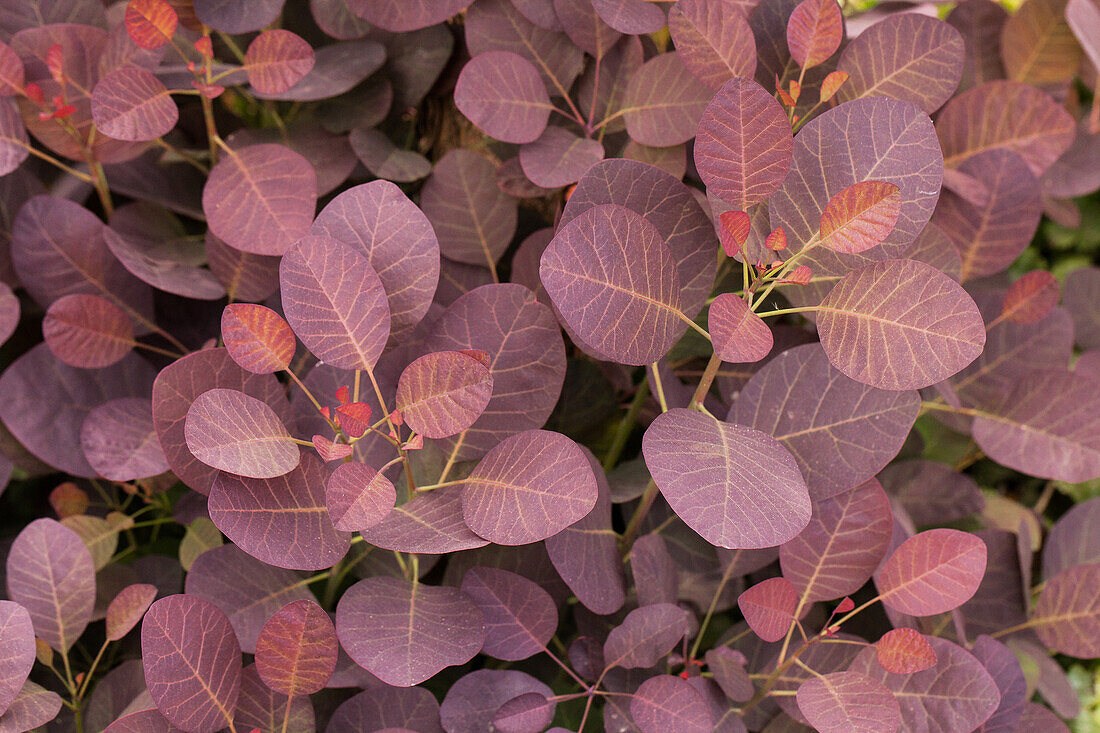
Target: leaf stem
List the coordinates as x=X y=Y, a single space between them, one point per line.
x=784 y=311
x=658 y=386
x=635 y=523
x=710 y=610
x=706 y=380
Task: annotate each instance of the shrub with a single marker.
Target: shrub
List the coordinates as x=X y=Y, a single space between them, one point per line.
x=300 y=396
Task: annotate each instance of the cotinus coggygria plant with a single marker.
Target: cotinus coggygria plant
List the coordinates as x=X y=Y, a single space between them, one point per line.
x=526 y=365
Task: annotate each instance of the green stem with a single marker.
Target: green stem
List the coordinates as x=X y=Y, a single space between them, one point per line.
x=706 y=380
x=626 y=426
x=635 y=524
x=660 y=389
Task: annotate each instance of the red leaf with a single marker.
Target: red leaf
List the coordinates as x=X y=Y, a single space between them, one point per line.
x=1030 y=298
x=55 y=63
x=832 y=84
x=257 y=338
x=150 y=23
x=127 y=608
x=354 y=418
x=814 y=31
x=904 y=651
x=860 y=217
x=769 y=607
x=738 y=334
x=932 y=572
x=205 y=47
x=845 y=606
x=777 y=240
x=68 y=500
x=330 y=451
x=734 y=229
x=800 y=275
x=343 y=395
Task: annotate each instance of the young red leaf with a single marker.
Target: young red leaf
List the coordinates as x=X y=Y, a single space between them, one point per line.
x=1030 y=298
x=832 y=84
x=68 y=500
x=127 y=608
x=276 y=60
x=87 y=331
x=330 y=451
x=814 y=31
x=845 y=606
x=734 y=228
x=842 y=702
x=231 y=431
x=768 y=607
x=932 y=572
x=343 y=394
x=443 y=393
x=860 y=216
x=358 y=497
x=739 y=335
x=150 y=23
x=257 y=338
x=55 y=62
x=296 y=649
x=776 y=241
x=800 y=275
x=354 y=418
x=904 y=651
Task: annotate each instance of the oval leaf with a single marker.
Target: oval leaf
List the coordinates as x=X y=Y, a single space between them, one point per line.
x=127 y=608
x=1067 y=614
x=445 y=392
x=430 y=522
x=665 y=702
x=257 y=338
x=739 y=335
x=296 y=649
x=932 y=572
x=1030 y=298
x=847 y=701
x=814 y=31
x=664 y=102
x=520 y=617
x=231 y=431
x=769 y=607
x=150 y=23
x=713 y=39
x=904 y=651
x=358 y=497
x=860 y=217
x=502 y=93
x=17 y=641
x=87 y=331
x=645 y=636
x=132 y=104
x=276 y=60
x=558 y=157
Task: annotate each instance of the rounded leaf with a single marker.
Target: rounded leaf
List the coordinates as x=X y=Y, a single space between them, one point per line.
x=472 y=701
x=404 y=633
x=932 y=572
x=128 y=608
x=119 y=440
x=665 y=702
x=904 y=651
x=735 y=486
x=33 y=707
x=814 y=31
x=630 y=16
x=384 y=159
x=17 y=641
x=1031 y=297
x=861 y=216
x=296 y=649
x=713 y=39
x=430 y=522
x=768 y=607
x=132 y=104
x=400 y=16
x=358 y=497
x=558 y=157
x=445 y=392
x=664 y=102
x=739 y=335
x=529 y=487
x=520 y=617
x=231 y=431
x=150 y=23
x=645 y=636
x=845 y=702
x=87 y=331
x=1067 y=614
x=276 y=60
x=14 y=145
x=502 y=93
x=257 y=338
x=192 y=663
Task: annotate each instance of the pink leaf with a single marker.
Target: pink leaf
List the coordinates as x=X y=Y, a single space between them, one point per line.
x=738 y=334
x=932 y=572
x=904 y=651
x=860 y=217
x=769 y=607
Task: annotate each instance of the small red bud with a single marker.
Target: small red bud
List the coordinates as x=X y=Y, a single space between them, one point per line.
x=34 y=93
x=684 y=675
x=845 y=606
x=205 y=47
x=64 y=111
x=54 y=59
x=210 y=91
x=397 y=418
x=326 y=412
x=795 y=89
x=416 y=442
x=191 y=66
x=343 y=394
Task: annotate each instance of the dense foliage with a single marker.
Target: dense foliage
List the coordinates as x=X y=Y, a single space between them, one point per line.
x=513 y=365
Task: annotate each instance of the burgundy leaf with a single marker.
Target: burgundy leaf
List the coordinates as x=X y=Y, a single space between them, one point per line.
x=143 y=721
x=630 y=16
x=735 y=486
x=337 y=68
x=404 y=633
x=932 y=572
x=586 y=28
x=128 y=608
x=406 y=15
x=150 y=23
x=261 y=708
x=17 y=641
x=276 y=60
x=1067 y=614
x=728 y=667
x=33 y=707
x=906 y=56
x=132 y=104
x=520 y=617
x=529 y=487
x=738 y=334
x=1004 y=667
x=384 y=159
x=283 y=520
x=672 y=160
x=245 y=276
x=664 y=102
x=87 y=331
x=527 y=713
x=814 y=31
x=847 y=701
x=1038 y=717
x=430 y=522
x=154 y=256
x=1031 y=297
x=233 y=18
x=260 y=199
x=502 y=94
x=539 y=12
x=645 y=636
x=769 y=607
x=358 y=497
x=335 y=302
x=473 y=701
x=656 y=576
x=932 y=492
x=192 y=662
x=904 y=651
x=296 y=649
x=665 y=702
x=395 y=708
x=231 y=431
x=713 y=39
x=1071 y=540
x=257 y=338
x=558 y=157
x=860 y=216
x=445 y=392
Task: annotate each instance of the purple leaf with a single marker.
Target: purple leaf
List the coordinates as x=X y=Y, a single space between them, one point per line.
x=257 y=338
x=143 y=721
x=33 y=707
x=261 y=708
x=128 y=608
x=276 y=60
x=846 y=539
x=472 y=701
x=847 y=701
x=12 y=74
x=406 y=15
x=335 y=302
x=245 y=276
x=260 y=199
x=496 y=25
x=932 y=492
x=586 y=28
x=472 y=217
x=980 y=23
x=1071 y=540
x=1003 y=666
x=327 y=152
x=615 y=283
x=17 y=641
x=192 y=662
x=529 y=487
x=635 y=17
x=358 y=497
x=539 y=12
x=520 y=617
x=932 y=572
x=431 y=522
x=957 y=689
x=672 y=160
x=1038 y=717
x=528 y=713
x=899 y=324
x=738 y=334
x=231 y=431
x=153 y=260
x=14 y=145
x=132 y=104
x=664 y=102
x=907 y=56
x=50 y=574
x=337 y=69
x=839 y=431
x=404 y=633
x=232 y=18
x=444 y=392
x=665 y=702
x=743 y=150
x=87 y=331
x=728 y=667
x=502 y=93
x=769 y=607
x=735 y=486
x=904 y=651
x=558 y=157
x=394 y=707
x=296 y=649
x=656 y=576
x=247 y=590
x=1081 y=286
x=284 y=520
x=713 y=39
x=384 y=159
x=814 y=31
x=1067 y=614
x=645 y=636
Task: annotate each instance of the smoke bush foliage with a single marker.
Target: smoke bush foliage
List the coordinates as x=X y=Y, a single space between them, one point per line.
x=517 y=365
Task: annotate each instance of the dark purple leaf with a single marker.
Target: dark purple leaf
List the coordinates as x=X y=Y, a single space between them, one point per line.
x=392 y=707
x=932 y=572
x=1067 y=614
x=33 y=707
x=472 y=701
x=385 y=160
x=586 y=28
x=245 y=277
x=743 y=150
x=247 y=590
x=128 y=608
x=404 y=633
x=260 y=199
x=999 y=601
x=672 y=160
x=1031 y=297
x=1037 y=717
x=665 y=702
x=430 y=522
x=261 y=708
x=119 y=440
x=406 y=15
x=528 y=713
x=656 y=576
x=735 y=486
x=230 y=17
x=932 y=493
x=957 y=689
x=114 y=693
x=1072 y=540
x=635 y=17
x=444 y=392
x=257 y=338
x=1080 y=299
x=839 y=431
x=336 y=69
x=848 y=701
x=645 y=636
x=728 y=667
x=529 y=487
x=192 y=662
x=17 y=641
x=1003 y=666
x=769 y=607
x=664 y=102
x=276 y=60
x=143 y=721
x=980 y=23
x=283 y=521
x=231 y=431
x=539 y=12
x=296 y=649
x=158 y=261
x=502 y=93
x=738 y=334
x=132 y=104
x=713 y=39
x=358 y=497
x=87 y=331
x=520 y=617
x=14 y=145
x=1050 y=679
x=558 y=157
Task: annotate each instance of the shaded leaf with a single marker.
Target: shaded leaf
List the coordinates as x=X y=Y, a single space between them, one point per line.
x=645 y=636
x=17 y=641
x=296 y=649
x=276 y=60
x=665 y=702
x=358 y=497
x=502 y=94
x=1071 y=540
x=246 y=277
x=1067 y=614
x=738 y=334
x=119 y=440
x=814 y=31
x=520 y=617
x=398 y=707
x=231 y=431
x=33 y=707
x=587 y=29
x=473 y=700
x=1003 y=666
x=261 y=708
x=932 y=492
x=932 y=572
x=87 y=331
x=656 y=577
x=444 y=392
x=769 y=607
x=384 y=159
x=558 y=157
x=528 y=712
x=860 y=216
x=154 y=256
x=406 y=15
x=132 y=104
x=713 y=39
x=664 y=102
x=630 y=16
x=1037 y=45
x=233 y=18
x=128 y=608
x=337 y=68
x=430 y=522
x=904 y=651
